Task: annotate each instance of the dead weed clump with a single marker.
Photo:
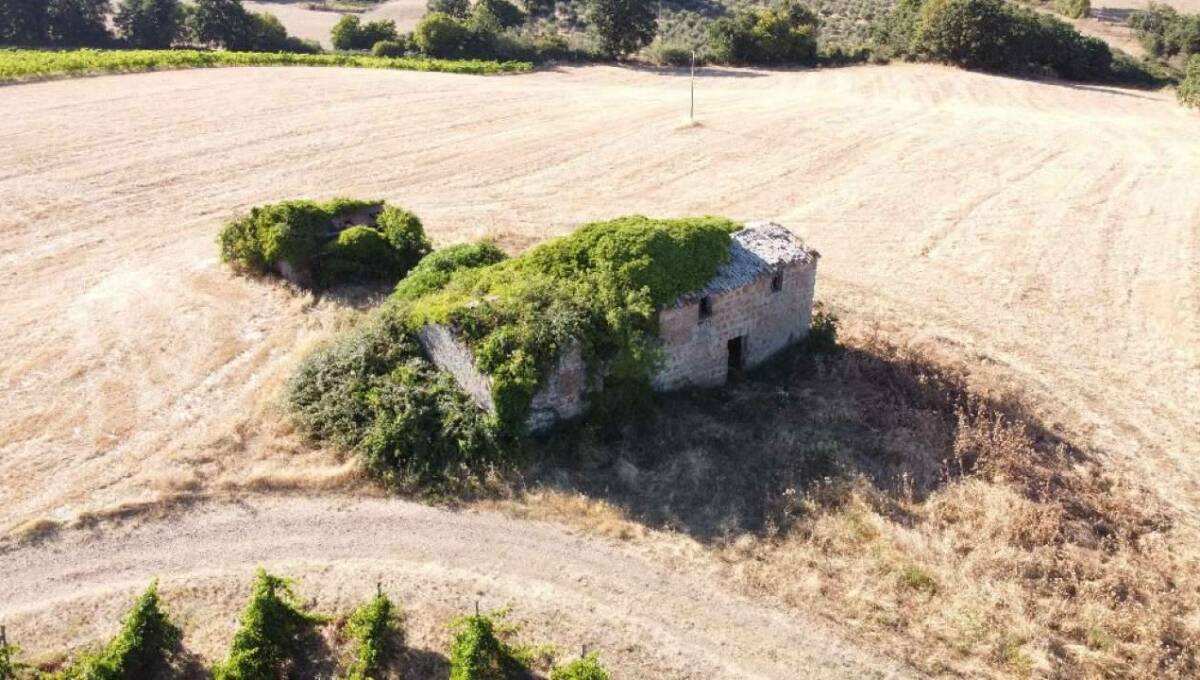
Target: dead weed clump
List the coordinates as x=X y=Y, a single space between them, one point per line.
x=951 y=528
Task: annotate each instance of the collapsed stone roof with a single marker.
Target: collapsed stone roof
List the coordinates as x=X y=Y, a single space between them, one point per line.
x=758 y=249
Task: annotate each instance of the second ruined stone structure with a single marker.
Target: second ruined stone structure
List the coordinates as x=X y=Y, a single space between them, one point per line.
x=759 y=303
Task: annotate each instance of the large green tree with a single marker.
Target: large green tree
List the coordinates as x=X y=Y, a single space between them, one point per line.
x=23 y=22
x=622 y=26
x=77 y=22
x=149 y=24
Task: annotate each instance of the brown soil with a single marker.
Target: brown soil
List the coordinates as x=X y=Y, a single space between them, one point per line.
x=1048 y=233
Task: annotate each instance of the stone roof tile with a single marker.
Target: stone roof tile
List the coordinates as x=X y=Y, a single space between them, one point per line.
x=758 y=249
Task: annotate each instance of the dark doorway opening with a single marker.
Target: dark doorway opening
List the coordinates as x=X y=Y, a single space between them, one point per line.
x=736 y=349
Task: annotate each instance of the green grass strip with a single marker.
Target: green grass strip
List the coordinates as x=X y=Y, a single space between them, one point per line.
x=22 y=65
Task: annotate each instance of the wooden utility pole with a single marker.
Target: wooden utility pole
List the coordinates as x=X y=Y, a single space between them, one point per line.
x=692 y=109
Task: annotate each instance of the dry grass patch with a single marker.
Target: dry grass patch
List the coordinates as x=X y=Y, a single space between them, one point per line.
x=949 y=527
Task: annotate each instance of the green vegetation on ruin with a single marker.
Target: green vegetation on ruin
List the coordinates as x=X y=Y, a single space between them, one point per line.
x=374 y=392
x=302 y=235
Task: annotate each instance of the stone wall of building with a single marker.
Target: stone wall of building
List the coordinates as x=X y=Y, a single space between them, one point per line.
x=452 y=356
x=697 y=349
x=562 y=397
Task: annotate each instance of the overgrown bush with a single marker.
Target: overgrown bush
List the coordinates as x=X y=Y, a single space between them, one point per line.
x=1164 y=32
x=478 y=653
x=359 y=254
x=671 y=54
x=227 y=24
x=1076 y=9
x=783 y=34
x=389 y=48
x=504 y=13
x=598 y=287
x=372 y=392
x=302 y=235
x=442 y=35
x=350 y=33
x=272 y=634
x=971 y=33
x=143 y=648
x=587 y=668
x=1189 y=89
x=434 y=271
x=992 y=35
x=374 y=628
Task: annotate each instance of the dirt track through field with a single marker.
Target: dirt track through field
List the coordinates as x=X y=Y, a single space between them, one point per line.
x=650 y=617
x=1048 y=233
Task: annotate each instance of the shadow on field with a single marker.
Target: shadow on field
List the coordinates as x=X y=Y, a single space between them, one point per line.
x=718 y=463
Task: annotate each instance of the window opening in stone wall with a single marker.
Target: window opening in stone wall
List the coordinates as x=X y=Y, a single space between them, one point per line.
x=777 y=282
x=705 y=307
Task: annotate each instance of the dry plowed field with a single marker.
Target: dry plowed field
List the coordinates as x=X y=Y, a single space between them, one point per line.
x=1046 y=234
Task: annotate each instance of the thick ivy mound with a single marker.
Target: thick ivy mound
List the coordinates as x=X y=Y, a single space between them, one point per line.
x=302 y=234
x=372 y=391
x=598 y=287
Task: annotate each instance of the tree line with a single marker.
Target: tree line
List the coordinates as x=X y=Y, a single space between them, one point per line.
x=144 y=24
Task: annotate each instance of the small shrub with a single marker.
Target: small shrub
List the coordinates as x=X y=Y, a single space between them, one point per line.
x=374 y=628
x=823 y=331
x=671 y=54
x=917 y=579
x=271 y=635
x=478 y=653
x=1076 y=9
x=1189 y=89
x=587 y=668
x=141 y=649
x=388 y=48
x=10 y=668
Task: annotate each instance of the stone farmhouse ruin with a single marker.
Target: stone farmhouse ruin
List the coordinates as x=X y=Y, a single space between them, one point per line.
x=759 y=303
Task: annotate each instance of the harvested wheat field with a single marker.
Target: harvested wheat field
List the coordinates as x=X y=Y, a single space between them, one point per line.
x=305 y=22
x=1047 y=236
